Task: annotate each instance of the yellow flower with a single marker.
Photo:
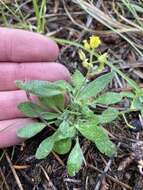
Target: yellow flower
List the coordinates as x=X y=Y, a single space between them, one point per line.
x=102 y=58
x=86 y=45
x=94 y=42
x=82 y=55
x=87 y=64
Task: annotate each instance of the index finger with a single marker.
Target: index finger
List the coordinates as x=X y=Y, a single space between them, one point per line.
x=24 y=46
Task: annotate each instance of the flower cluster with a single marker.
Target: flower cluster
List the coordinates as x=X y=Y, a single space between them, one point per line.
x=85 y=62
x=91 y=45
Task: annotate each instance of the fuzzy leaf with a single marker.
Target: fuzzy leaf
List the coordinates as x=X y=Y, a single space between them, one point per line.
x=109 y=98
x=78 y=78
x=33 y=110
x=87 y=112
x=30 y=130
x=108 y=115
x=96 y=86
x=64 y=85
x=30 y=109
x=63 y=146
x=97 y=135
x=106 y=147
x=40 y=88
x=75 y=160
x=91 y=131
x=49 y=115
x=45 y=148
x=136 y=103
x=54 y=101
x=127 y=94
x=65 y=131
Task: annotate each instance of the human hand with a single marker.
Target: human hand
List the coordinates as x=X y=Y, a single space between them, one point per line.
x=23 y=56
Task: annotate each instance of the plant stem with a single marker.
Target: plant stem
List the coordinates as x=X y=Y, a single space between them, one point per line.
x=132 y=83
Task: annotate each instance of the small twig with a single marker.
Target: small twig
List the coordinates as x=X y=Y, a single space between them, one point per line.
x=51 y=185
x=71 y=18
x=14 y=172
x=4 y=181
x=101 y=178
x=110 y=177
x=54 y=32
x=58 y=159
x=72 y=180
x=86 y=183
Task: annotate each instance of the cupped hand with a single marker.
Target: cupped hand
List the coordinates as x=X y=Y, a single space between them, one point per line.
x=23 y=56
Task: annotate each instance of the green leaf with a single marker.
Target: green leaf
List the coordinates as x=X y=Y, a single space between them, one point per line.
x=90 y=130
x=106 y=147
x=45 y=148
x=109 y=98
x=141 y=111
x=64 y=85
x=30 y=130
x=65 y=131
x=78 y=79
x=136 y=103
x=63 y=146
x=96 y=86
x=33 y=110
x=97 y=134
x=49 y=115
x=54 y=101
x=75 y=160
x=30 y=109
x=40 y=88
x=108 y=115
x=87 y=112
x=127 y=94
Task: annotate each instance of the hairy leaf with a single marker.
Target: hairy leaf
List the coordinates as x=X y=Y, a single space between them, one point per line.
x=108 y=115
x=96 y=86
x=109 y=98
x=127 y=94
x=97 y=134
x=45 y=148
x=49 y=115
x=75 y=160
x=78 y=78
x=136 y=103
x=54 y=101
x=40 y=88
x=64 y=85
x=106 y=147
x=33 y=110
x=30 y=109
x=65 y=131
x=63 y=146
x=30 y=130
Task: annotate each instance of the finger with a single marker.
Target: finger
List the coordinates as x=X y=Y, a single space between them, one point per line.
x=9 y=72
x=8 y=104
x=24 y=46
x=11 y=99
x=8 y=129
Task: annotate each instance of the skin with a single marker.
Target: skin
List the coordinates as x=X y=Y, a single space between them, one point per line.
x=23 y=56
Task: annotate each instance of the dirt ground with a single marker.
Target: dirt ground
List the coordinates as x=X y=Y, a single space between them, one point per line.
x=64 y=19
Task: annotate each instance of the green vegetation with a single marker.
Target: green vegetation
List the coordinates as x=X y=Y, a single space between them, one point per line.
x=79 y=116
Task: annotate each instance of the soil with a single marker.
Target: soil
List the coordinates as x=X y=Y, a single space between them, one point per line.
x=18 y=167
